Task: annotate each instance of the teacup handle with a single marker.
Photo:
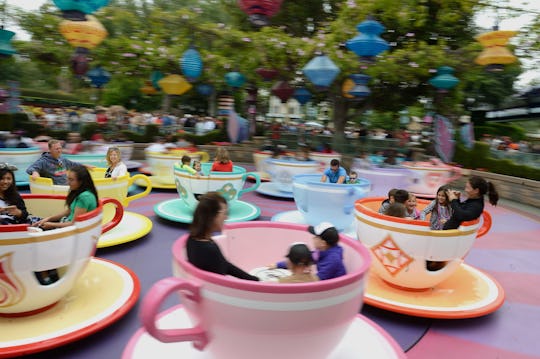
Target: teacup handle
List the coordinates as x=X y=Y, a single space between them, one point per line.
x=151 y=305
x=118 y=214
x=140 y=194
x=252 y=188
x=486 y=225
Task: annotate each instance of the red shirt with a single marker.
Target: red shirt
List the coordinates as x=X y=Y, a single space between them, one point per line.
x=222 y=167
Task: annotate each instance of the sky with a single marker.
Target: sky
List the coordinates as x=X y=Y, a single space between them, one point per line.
x=485 y=20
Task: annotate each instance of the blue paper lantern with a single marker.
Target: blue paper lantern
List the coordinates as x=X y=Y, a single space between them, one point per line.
x=191 y=64
x=321 y=71
x=360 y=89
x=302 y=95
x=155 y=77
x=235 y=79
x=444 y=80
x=76 y=10
x=5 y=43
x=98 y=76
x=205 y=89
x=367 y=44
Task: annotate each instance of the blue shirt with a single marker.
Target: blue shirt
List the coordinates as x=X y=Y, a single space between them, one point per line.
x=334 y=176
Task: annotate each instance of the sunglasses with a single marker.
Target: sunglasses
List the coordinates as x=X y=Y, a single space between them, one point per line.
x=4 y=165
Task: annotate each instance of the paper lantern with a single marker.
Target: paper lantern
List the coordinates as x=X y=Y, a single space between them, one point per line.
x=191 y=64
x=260 y=11
x=76 y=9
x=99 y=76
x=444 y=79
x=148 y=89
x=283 y=91
x=367 y=44
x=321 y=71
x=267 y=74
x=235 y=79
x=5 y=43
x=87 y=34
x=495 y=54
x=174 y=85
x=360 y=89
x=302 y=95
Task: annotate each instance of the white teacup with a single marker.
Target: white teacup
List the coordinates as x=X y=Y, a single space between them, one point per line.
x=403 y=249
x=282 y=171
x=383 y=179
x=22 y=158
x=106 y=187
x=324 y=159
x=258 y=160
x=25 y=254
x=330 y=202
x=244 y=319
x=162 y=164
x=429 y=176
x=229 y=184
x=126 y=148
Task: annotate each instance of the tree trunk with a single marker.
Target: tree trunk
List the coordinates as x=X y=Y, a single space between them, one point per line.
x=341 y=107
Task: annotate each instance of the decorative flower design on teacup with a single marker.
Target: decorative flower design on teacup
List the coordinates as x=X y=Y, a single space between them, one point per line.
x=180 y=189
x=228 y=191
x=391 y=256
x=11 y=289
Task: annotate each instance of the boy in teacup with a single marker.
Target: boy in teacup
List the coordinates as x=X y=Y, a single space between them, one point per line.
x=299 y=262
x=328 y=254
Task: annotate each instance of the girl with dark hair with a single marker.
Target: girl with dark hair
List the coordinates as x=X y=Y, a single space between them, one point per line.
x=82 y=198
x=472 y=208
x=202 y=251
x=439 y=208
x=12 y=207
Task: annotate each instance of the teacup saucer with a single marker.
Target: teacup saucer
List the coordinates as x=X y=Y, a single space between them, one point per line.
x=145 y=170
x=176 y=210
x=364 y=339
x=132 y=226
x=104 y=293
x=468 y=293
x=157 y=182
x=298 y=217
x=271 y=189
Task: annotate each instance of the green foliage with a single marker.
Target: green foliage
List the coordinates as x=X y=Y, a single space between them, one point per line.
x=516 y=133
x=11 y=121
x=218 y=135
x=479 y=158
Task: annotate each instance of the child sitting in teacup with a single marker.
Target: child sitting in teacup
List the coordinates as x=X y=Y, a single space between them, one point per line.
x=394 y=195
x=186 y=165
x=353 y=178
x=197 y=168
x=328 y=255
x=440 y=209
x=299 y=262
x=410 y=206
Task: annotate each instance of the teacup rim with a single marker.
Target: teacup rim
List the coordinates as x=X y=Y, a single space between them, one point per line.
x=363 y=181
x=178 y=251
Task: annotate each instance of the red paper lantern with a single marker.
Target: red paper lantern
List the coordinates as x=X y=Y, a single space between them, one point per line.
x=283 y=91
x=260 y=11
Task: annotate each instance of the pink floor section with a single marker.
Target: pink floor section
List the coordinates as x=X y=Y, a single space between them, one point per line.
x=510 y=253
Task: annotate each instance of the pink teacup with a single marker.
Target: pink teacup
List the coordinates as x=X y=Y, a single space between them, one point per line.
x=245 y=319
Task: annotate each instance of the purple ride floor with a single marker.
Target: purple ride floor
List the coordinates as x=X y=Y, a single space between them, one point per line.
x=508 y=252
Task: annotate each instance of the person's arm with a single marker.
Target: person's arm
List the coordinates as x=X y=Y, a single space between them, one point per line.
x=427 y=210
x=342 y=175
x=341 y=179
x=327 y=268
x=239 y=273
x=20 y=211
x=51 y=222
x=466 y=211
x=119 y=171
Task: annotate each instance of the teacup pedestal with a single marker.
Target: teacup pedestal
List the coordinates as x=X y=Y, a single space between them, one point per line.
x=282 y=171
x=229 y=184
x=132 y=226
x=161 y=165
x=22 y=158
x=331 y=202
x=419 y=271
x=245 y=319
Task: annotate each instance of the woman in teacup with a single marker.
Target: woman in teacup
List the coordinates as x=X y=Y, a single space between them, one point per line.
x=116 y=168
x=472 y=208
x=202 y=251
x=12 y=207
x=82 y=198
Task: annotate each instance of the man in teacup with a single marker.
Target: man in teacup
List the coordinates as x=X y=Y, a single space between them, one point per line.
x=52 y=165
x=334 y=174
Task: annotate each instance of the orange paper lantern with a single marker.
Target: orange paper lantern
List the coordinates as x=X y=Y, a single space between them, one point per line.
x=495 y=52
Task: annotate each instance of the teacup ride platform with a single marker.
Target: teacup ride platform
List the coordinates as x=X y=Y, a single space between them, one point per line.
x=317 y=202
x=22 y=158
x=160 y=166
x=86 y=295
x=281 y=171
x=133 y=225
x=421 y=272
x=189 y=187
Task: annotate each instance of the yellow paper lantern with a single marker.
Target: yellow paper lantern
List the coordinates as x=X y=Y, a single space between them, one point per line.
x=347 y=86
x=87 y=34
x=495 y=51
x=174 y=85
